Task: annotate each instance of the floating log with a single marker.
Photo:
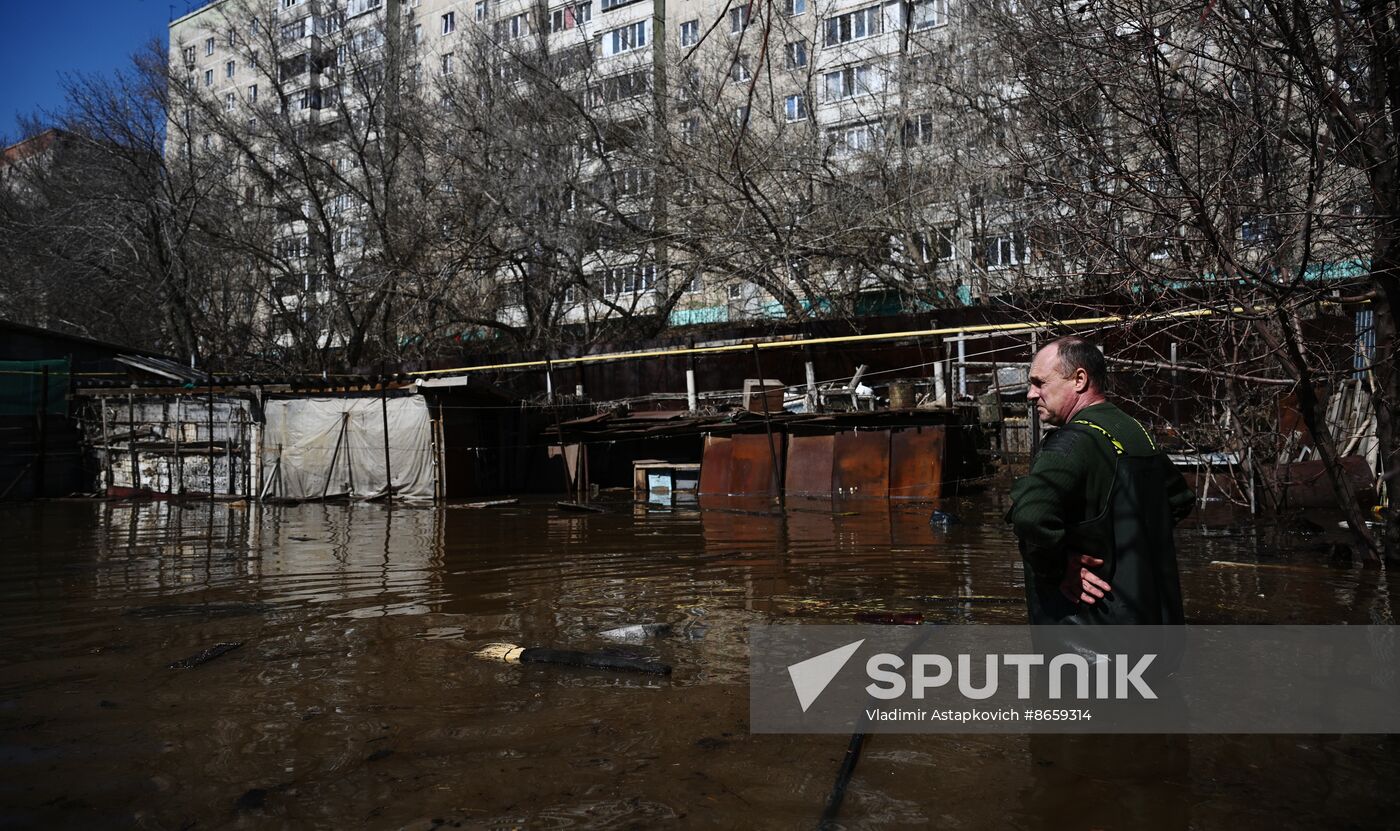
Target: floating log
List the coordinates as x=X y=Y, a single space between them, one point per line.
x=890 y=618
x=511 y=654
x=579 y=506
x=206 y=656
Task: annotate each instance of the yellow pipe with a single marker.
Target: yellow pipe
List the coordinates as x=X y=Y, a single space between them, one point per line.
x=781 y=344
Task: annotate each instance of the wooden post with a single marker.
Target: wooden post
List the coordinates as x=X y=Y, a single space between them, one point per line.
x=768 y=428
x=210 y=424
x=106 y=446
x=814 y=403
x=131 y=441
x=996 y=390
x=1034 y=414
x=570 y=482
x=384 y=414
x=1176 y=395
x=962 y=364
x=441 y=453
x=335 y=456
x=41 y=438
x=178 y=486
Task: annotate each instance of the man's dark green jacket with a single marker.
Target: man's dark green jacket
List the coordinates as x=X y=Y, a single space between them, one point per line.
x=1100 y=486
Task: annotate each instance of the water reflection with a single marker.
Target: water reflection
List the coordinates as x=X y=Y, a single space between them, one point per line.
x=354 y=699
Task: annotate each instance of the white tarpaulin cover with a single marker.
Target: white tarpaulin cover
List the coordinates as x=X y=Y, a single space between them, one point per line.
x=341 y=440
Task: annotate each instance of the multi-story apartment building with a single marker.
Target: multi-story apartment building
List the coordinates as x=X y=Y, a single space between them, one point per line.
x=716 y=143
x=488 y=166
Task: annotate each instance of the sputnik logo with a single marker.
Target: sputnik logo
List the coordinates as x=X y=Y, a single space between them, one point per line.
x=811 y=677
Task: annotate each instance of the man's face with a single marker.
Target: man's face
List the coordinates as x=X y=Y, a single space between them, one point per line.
x=1053 y=394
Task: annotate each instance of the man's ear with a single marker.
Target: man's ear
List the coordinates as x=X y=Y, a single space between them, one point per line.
x=1081 y=380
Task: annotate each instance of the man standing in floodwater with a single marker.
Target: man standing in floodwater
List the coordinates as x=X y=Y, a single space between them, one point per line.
x=1095 y=515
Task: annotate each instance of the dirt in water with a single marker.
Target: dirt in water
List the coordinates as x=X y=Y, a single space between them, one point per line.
x=352 y=700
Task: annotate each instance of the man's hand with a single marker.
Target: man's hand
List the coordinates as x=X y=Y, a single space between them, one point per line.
x=1080 y=584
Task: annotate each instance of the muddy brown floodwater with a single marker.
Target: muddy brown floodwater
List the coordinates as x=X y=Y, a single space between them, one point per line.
x=354 y=702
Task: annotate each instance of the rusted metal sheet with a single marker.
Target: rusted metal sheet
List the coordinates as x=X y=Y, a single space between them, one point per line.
x=861 y=464
x=809 y=465
x=916 y=462
x=752 y=463
x=716 y=465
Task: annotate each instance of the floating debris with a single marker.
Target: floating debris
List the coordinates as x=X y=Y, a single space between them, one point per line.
x=890 y=618
x=579 y=506
x=511 y=654
x=206 y=656
x=637 y=632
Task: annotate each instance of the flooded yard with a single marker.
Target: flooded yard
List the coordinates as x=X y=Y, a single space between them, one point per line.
x=354 y=699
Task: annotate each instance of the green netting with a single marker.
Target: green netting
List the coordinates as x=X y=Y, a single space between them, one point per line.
x=22 y=382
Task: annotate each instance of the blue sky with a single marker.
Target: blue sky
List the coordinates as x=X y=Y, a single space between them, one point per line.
x=42 y=39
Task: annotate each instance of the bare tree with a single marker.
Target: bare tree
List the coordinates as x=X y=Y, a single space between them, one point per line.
x=1235 y=155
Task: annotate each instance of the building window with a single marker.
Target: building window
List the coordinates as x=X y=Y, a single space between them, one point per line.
x=738 y=19
x=511 y=28
x=449 y=23
x=570 y=16
x=690 y=128
x=795 y=54
x=209 y=77
x=862 y=23
x=795 y=106
x=228 y=102
x=189 y=56
x=625 y=38
x=690 y=33
x=613 y=4
x=620 y=88
x=741 y=116
x=634 y=181
x=926 y=14
x=792 y=8
x=417 y=33
x=849 y=82
x=1006 y=249
x=632 y=279
x=208 y=46
x=445 y=64
x=230 y=68
x=936 y=246
x=480 y=11
x=857 y=138
x=1256 y=230
x=739 y=70
x=918 y=129
x=287 y=4
x=252 y=93
x=328 y=24
x=296 y=30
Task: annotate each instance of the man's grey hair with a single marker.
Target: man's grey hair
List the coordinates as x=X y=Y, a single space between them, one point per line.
x=1077 y=353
